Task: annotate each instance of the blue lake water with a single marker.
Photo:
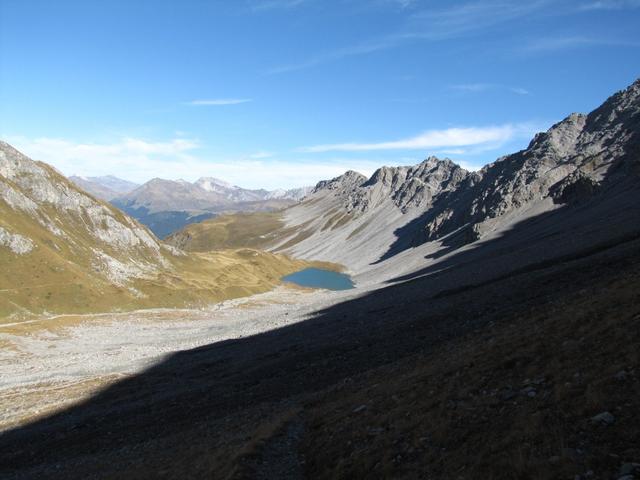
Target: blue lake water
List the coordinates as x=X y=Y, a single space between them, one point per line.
x=319 y=278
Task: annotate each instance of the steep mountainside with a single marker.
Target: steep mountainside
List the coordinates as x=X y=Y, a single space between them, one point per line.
x=567 y=164
x=436 y=205
x=104 y=188
x=166 y=205
x=61 y=250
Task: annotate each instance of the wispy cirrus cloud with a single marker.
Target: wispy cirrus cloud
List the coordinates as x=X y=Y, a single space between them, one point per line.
x=484 y=87
x=559 y=43
x=486 y=137
x=427 y=25
x=266 y=5
x=218 y=102
x=330 y=56
x=610 y=5
x=469 y=19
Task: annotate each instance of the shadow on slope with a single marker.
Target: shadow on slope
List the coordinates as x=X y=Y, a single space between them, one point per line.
x=413 y=234
x=610 y=217
x=215 y=388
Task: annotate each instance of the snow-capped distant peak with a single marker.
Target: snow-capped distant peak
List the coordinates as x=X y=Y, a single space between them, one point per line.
x=211 y=184
x=279 y=193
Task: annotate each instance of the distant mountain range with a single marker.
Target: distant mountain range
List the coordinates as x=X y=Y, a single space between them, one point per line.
x=106 y=187
x=168 y=205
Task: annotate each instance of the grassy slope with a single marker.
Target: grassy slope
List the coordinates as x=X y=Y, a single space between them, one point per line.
x=255 y=230
x=45 y=282
x=58 y=275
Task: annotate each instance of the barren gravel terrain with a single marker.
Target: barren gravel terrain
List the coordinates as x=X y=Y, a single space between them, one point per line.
x=55 y=362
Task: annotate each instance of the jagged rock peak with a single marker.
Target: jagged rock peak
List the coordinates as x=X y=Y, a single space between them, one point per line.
x=212 y=184
x=432 y=169
x=561 y=138
x=349 y=179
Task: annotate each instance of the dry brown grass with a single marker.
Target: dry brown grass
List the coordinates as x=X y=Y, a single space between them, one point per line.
x=462 y=411
x=252 y=230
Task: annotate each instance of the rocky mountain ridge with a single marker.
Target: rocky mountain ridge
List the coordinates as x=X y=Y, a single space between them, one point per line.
x=399 y=208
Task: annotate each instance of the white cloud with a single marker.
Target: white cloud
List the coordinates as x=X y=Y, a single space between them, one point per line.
x=140 y=160
x=611 y=5
x=218 y=102
x=472 y=87
x=463 y=19
x=265 y=5
x=489 y=137
x=319 y=59
x=261 y=154
x=483 y=87
x=551 y=44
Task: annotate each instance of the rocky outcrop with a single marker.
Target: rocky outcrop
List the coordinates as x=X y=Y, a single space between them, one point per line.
x=349 y=180
x=42 y=209
x=416 y=187
x=15 y=242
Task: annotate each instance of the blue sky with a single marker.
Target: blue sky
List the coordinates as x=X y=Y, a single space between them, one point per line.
x=282 y=93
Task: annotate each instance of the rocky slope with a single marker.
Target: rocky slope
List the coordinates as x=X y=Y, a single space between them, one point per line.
x=166 y=205
x=436 y=205
x=106 y=187
x=61 y=250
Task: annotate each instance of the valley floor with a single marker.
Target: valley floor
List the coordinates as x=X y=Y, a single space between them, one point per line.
x=53 y=362
x=529 y=375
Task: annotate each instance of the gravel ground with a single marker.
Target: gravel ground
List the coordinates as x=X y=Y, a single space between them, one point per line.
x=49 y=368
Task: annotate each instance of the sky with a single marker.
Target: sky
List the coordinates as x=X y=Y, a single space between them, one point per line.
x=284 y=93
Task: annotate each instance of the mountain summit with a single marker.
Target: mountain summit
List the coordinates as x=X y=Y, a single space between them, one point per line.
x=167 y=205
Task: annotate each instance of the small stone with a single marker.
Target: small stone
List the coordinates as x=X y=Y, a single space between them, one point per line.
x=529 y=392
x=604 y=418
x=508 y=395
x=359 y=409
x=621 y=375
x=629 y=468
